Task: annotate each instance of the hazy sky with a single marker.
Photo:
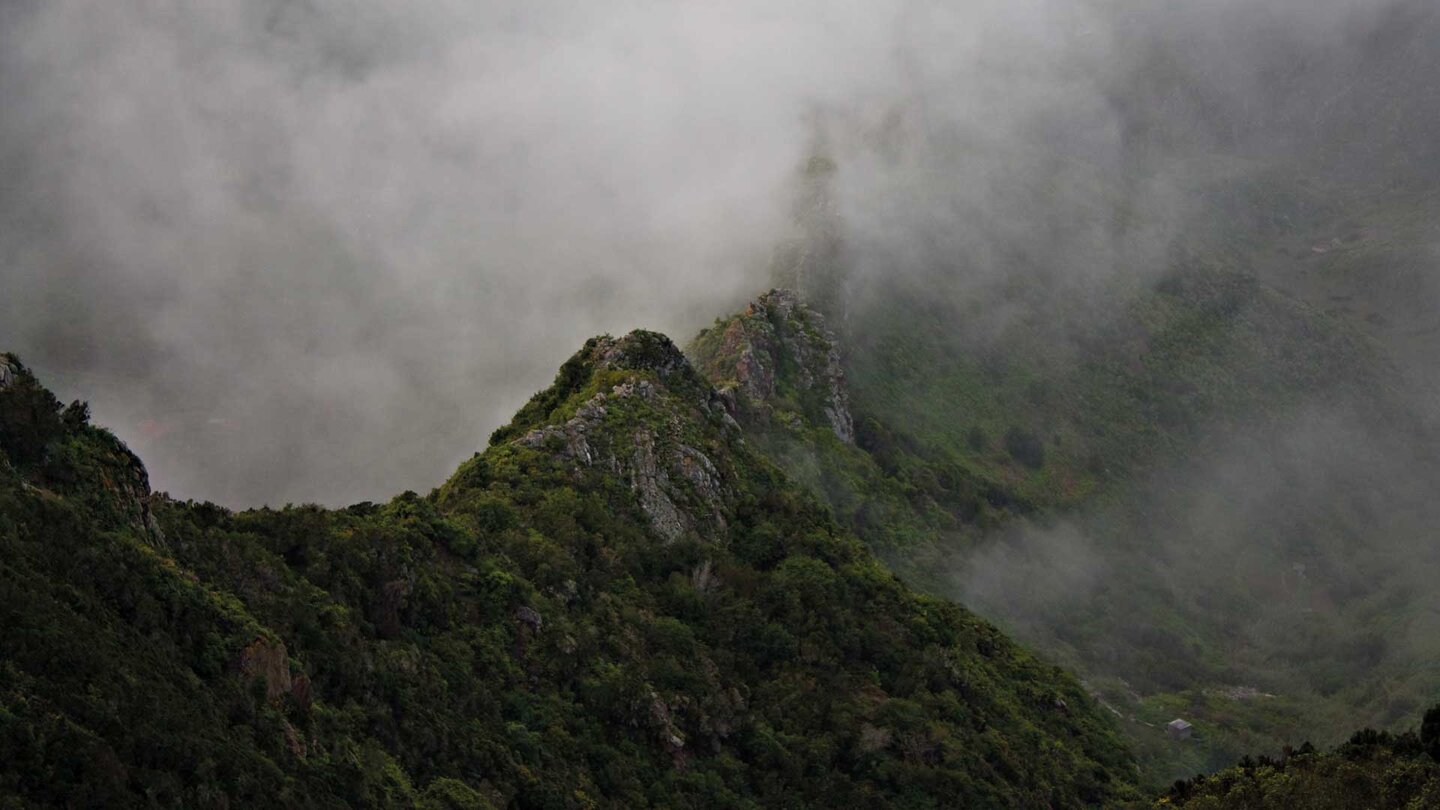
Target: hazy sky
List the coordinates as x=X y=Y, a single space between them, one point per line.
x=316 y=250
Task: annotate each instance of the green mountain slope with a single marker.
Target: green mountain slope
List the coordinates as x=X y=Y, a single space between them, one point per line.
x=618 y=604
x=1372 y=769
x=1212 y=504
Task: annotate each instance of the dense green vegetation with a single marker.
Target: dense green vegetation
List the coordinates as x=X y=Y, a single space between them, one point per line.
x=1192 y=501
x=618 y=604
x=895 y=492
x=623 y=603
x=1373 y=769
x=1162 y=406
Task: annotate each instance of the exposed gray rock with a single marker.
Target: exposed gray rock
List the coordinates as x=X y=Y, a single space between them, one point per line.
x=837 y=401
x=572 y=436
x=662 y=721
x=703 y=578
x=643 y=389
x=152 y=528
x=530 y=617
x=678 y=486
x=779 y=331
x=652 y=482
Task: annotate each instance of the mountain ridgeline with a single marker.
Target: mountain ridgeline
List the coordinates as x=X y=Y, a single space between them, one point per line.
x=1084 y=456
x=659 y=586
x=620 y=603
x=1211 y=505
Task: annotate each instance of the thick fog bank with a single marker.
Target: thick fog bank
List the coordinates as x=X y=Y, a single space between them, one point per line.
x=311 y=250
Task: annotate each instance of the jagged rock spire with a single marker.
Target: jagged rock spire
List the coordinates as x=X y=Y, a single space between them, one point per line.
x=777 y=356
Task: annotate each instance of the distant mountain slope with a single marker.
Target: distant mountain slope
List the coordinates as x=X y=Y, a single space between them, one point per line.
x=618 y=604
x=1213 y=504
x=1372 y=769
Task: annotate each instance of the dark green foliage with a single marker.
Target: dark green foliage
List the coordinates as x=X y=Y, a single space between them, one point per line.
x=1430 y=733
x=1064 y=475
x=1374 y=769
x=29 y=415
x=76 y=414
x=1025 y=447
x=521 y=637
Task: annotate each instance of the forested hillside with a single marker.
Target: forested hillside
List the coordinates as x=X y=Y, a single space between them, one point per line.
x=1083 y=452
x=1194 y=504
x=1373 y=769
x=1180 y=435
x=618 y=604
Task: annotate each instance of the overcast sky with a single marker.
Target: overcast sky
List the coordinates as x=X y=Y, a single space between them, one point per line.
x=312 y=250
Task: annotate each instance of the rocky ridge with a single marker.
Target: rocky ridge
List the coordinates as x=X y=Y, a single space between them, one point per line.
x=778 y=360
x=637 y=424
x=619 y=603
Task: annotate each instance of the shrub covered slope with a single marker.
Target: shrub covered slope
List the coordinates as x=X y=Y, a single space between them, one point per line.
x=618 y=604
x=1211 y=503
x=1373 y=769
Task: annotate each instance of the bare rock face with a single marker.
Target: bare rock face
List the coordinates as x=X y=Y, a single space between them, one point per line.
x=778 y=357
x=267 y=659
x=130 y=483
x=651 y=480
x=530 y=617
x=652 y=427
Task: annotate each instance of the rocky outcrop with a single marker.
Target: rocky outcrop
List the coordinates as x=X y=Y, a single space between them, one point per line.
x=651 y=480
x=530 y=617
x=267 y=659
x=778 y=356
x=57 y=449
x=646 y=428
x=128 y=481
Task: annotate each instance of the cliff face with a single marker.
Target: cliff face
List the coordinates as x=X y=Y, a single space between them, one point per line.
x=642 y=423
x=779 y=370
x=778 y=360
x=1069 y=492
x=56 y=450
x=618 y=604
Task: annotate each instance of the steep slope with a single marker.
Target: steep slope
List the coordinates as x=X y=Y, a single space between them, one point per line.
x=1362 y=250
x=779 y=366
x=1212 y=504
x=1372 y=769
x=618 y=604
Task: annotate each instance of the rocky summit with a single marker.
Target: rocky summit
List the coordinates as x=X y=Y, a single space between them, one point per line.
x=619 y=603
x=777 y=358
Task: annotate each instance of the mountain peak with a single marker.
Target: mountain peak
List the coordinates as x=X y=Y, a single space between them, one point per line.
x=777 y=360
x=601 y=362
x=525 y=616
x=633 y=409
x=641 y=350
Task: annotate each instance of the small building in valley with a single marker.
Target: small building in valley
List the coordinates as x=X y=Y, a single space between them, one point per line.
x=1179 y=729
